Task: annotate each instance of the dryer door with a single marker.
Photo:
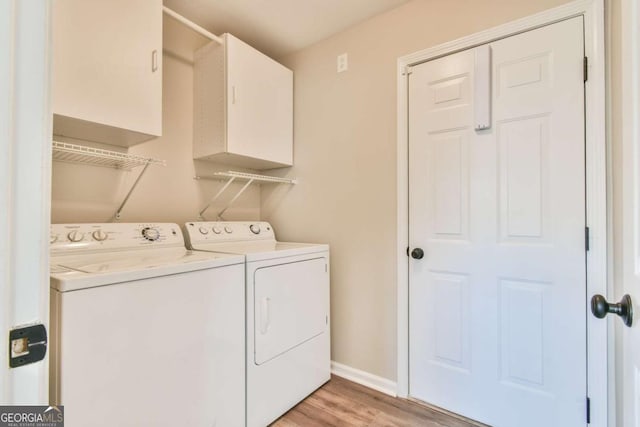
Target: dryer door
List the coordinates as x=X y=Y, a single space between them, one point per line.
x=291 y=306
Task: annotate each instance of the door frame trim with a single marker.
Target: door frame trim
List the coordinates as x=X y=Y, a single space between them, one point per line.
x=25 y=193
x=599 y=380
x=628 y=136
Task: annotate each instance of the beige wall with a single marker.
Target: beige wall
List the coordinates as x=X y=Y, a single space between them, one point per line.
x=82 y=193
x=345 y=158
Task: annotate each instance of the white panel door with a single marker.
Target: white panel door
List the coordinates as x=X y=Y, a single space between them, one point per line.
x=630 y=369
x=497 y=303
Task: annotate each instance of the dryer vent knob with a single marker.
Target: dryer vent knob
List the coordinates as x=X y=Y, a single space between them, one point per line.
x=255 y=228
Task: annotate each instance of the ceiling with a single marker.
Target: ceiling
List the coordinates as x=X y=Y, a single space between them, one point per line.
x=279 y=27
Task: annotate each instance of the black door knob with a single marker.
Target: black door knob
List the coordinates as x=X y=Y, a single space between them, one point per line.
x=417 y=253
x=600 y=308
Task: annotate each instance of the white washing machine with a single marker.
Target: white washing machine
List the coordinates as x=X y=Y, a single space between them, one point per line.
x=143 y=331
x=288 y=330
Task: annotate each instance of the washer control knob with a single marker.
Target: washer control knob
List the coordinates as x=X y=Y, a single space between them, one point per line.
x=53 y=238
x=228 y=229
x=75 y=236
x=204 y=230
x=255 y=228
x=151 y=234
x=99 y=235
x=216 y=229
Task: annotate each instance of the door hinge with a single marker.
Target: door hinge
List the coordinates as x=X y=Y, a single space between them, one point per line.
x=588 y=411
x=27 y=345
x=586 y=239
x=585 y=69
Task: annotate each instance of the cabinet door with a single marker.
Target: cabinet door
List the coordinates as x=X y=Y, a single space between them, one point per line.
x=107 y=69
x=259 y=105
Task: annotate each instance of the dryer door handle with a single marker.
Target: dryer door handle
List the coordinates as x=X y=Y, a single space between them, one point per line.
x=265 y=315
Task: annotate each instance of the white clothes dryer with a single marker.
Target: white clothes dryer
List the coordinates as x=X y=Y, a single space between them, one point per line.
x=287 y=308
x=143 y=331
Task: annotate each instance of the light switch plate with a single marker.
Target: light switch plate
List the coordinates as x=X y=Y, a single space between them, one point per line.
x=343 y=63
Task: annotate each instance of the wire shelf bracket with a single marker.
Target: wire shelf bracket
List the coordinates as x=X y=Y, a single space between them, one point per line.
x=232 y=176
x=66 y=152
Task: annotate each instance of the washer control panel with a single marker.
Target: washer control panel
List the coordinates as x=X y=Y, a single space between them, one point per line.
x=229 y=231
x=109 y=236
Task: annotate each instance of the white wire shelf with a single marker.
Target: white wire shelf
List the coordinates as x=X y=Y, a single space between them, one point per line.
x=66 y=152
x=230 y=177
x=248 y=177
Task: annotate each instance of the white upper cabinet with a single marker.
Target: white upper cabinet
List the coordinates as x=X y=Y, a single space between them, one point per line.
x=243 y=112
x=107 y=70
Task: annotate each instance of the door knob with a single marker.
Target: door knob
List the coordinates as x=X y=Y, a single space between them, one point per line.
x=417 y=253
x=600 y=308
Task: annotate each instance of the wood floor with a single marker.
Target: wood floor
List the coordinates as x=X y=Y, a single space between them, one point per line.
x=343 y=403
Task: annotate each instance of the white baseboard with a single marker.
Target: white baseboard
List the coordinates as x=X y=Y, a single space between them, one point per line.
x=366 y=379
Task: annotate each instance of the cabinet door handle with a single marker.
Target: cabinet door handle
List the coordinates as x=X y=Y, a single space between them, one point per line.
x=233 y=95
x=154 y=61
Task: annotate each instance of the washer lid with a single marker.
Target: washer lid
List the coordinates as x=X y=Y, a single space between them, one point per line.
x=84 y=271
x=262 y=250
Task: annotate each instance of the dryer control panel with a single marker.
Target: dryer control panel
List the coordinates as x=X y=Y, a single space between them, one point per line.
x=229 y=231
x=113 y=236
